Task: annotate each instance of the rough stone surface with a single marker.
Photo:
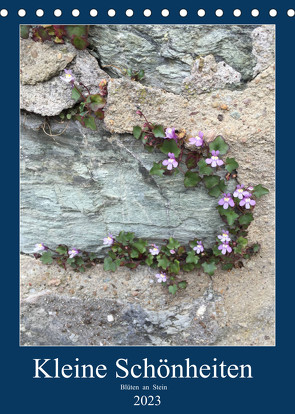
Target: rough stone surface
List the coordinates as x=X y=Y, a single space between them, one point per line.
x=92 y=180
x=208 y=75
x=61 y=307
x=52 y=96
x=263 y=47
x=40 y=62
x=167 y=53
x=79 y=185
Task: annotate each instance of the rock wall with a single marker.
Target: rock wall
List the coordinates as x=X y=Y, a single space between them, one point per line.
x=77 y=185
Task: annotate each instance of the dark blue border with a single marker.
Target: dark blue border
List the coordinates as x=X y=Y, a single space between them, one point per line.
x=270 y=389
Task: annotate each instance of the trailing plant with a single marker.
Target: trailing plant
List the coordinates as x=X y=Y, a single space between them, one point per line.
x=200 y=163
x=77 y=34
x=89 y=106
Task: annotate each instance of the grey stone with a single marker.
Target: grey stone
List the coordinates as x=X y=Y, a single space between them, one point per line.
x=207 y=75
x=39 y=62
x=63 y=320
x=80 y=185
x=263 y=47
x=167 y=52
x=52 y=96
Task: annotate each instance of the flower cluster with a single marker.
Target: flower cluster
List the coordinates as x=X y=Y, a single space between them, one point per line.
x=243 y=195
x=225 y=239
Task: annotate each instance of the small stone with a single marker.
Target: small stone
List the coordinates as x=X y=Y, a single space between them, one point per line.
x=110 y=318
x=53 y=282
x=220 y=117
x=224 y=107
x=215 y=104
x=235 y=115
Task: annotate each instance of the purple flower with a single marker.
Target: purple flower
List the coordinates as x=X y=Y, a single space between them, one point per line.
x=39 y=247
x=226 y=201
x=197 y=141
x=161 y=277
x=172 y=251
x=171 y=162
x=199 y=248
x=247 y=202
x=73 y=252
x=225 y=247
x=224 y=237
x=170 y=134
x=108 y=241
x=69 y=77
x=214 y=160
x=154 y=250
x=250 y=188
x=239 y=191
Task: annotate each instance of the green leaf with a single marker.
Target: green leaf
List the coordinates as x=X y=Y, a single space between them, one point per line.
x=204 y=169
x=174 y=267
x=150 y=259
x=157 y=169
x=211 y=181
x=76 y=95
x=222 y=186
x=97 y=102
x=140 y=74
x=173 y=244
x=137 y=132
x=79 y=260
x=140 y=245
x=76 y=30
x=92 y=256
x=256 y=248
x=219 y=145
x=209 y=268
x=191 y=161
x=242 y=242
x=134 y=254
x=109 y=264
x=163 y=261
x=71 y=261
x=192 y=257
x=227 y=266
x=188 y=267
x=215 y=191
x=46 y=258
x=170 y=145
x=24 y=31
x=230 y=215
x=125 y=238
x=61 y=249
x=231 y=165
x=246 y=219
x=191 y=179
x=80 y=42
x=173 y=289
x=158 y=131
x=90 y=123
x=259 y=191
x=182 y=284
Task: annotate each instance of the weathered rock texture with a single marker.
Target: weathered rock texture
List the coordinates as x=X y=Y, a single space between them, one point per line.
x=42 y=91
x=79 y=185
x=100 y=182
